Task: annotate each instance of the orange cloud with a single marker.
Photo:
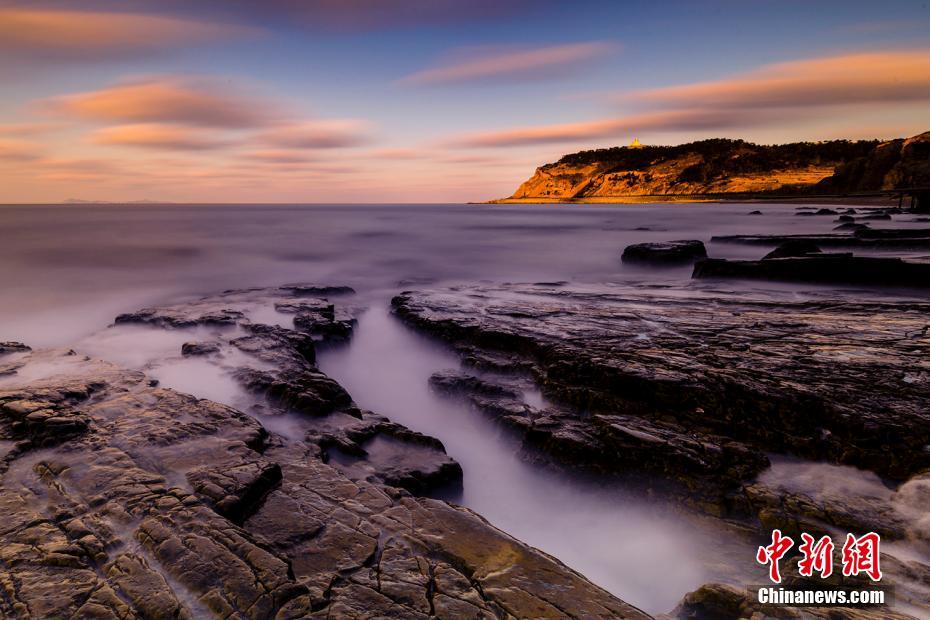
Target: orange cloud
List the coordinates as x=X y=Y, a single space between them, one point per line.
x=398 y=154
x=511 y=64
x=26 y=129
x=282 y=156
x=155 y=136
x=774 y=93
x=671 y=120
x=323 y=134
x=897 y=77
x=18 y=151
x=85 y=33
x=165 y=100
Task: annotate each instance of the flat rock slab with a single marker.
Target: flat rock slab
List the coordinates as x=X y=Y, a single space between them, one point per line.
x=859 y=237
x=664 y=252
x=699 y=390
x=838 y=380
x=825 y=268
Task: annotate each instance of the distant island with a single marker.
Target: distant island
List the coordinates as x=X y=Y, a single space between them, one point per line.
x=79 y=201
x=720 y=169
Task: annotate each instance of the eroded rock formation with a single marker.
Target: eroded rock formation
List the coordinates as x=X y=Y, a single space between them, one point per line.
x=122 y=499
x=688 y=395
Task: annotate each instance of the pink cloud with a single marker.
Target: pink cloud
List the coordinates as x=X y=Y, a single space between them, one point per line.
x=512 y=64
x=793 y=91
x=18 y=151
x=398 y=154
x=166 y=100
x=27 y=129
x=873 y=77
x=155 y=136
x=671 y=120
x=58 y=33
x=282 y=156
x=319 y=134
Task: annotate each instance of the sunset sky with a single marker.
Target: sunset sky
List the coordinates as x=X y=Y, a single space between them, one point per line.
x=424 y=100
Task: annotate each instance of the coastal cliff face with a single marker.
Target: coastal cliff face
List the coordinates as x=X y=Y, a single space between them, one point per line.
x=893 y=164
x=721 y=166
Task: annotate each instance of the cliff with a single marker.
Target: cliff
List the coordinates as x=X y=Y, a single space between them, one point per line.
x=719 y=166
x=902 y=163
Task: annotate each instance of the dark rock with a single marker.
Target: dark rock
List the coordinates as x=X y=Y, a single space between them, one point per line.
x=826 y=211
x=794 y=513
x=49 y=420
x=851 y=226
x=664 y=252
x=893 y=233
x=825 y=268
x=755 y=372
x=453 y=381
x=287 y=382
x=897 y=240
x=159 y=318
x=168 y=506
x=311 y=392
x=757 y=212
x=324 y=326
x=310 y=290
x=845 y=218
x=700 y=469
x=189 y=349
x=403 y=460
x=236 y=491
x=13 y=347
x=696 y=392
x=797 y=247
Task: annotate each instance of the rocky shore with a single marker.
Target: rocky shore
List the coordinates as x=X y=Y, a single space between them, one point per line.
x=121 y=499
x=693 y=396
x=125 y=499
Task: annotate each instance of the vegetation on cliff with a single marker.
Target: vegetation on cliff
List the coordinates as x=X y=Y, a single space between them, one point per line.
x=722 y=166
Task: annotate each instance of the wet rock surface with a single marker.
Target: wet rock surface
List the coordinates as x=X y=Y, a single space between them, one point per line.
x=792 y=249
x=13 y=347
x=860 y=236
x=819 y=379
x=820 y=267
x=277 y=365
x=704 y=469
x=121 y=499
x=695 y=393
x=664 y=252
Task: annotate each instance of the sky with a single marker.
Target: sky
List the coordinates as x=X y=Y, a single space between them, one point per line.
x=308 y=101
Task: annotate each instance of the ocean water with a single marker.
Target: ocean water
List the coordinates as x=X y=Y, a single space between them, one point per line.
x=67 y=271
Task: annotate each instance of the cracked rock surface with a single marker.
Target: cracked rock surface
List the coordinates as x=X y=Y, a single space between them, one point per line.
x=840 y=381
x=122 y=499
x=695 y=395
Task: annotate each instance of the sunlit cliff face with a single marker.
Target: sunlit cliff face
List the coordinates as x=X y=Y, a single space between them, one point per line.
x=428 y=102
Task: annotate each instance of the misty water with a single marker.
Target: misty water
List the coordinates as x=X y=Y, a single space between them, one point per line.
x=67 y=271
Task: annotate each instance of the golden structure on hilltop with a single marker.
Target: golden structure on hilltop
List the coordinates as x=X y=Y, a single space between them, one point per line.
x=635 y=144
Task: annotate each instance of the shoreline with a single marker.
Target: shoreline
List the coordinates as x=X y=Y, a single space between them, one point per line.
x=883 y=201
